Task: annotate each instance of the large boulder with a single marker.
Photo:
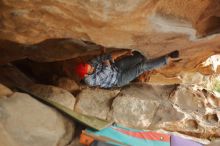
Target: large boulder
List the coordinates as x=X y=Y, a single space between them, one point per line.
x=25 y=121
x=137 y=105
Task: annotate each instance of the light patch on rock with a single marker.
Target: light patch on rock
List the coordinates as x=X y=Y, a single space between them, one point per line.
x=163 y=23
x=55 y=10
x=199 y=81
x=4 y=91
x=214 y=61
x=20 y=12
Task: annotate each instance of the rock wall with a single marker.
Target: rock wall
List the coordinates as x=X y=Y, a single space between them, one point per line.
x=112 y=23
x=154 y=27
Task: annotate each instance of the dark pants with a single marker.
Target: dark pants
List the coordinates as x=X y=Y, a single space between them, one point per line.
x=132 y=66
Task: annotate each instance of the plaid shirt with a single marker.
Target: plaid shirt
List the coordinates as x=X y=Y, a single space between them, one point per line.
x=104 y=76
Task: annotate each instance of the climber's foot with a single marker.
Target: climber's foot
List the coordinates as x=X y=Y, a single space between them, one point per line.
x=173 y=56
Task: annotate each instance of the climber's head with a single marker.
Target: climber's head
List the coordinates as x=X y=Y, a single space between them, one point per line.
x=82 y=69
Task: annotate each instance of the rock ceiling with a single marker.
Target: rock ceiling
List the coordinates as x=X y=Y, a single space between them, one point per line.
x=153 y=27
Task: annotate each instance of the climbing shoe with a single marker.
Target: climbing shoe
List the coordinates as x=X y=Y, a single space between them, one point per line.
x=174 y=54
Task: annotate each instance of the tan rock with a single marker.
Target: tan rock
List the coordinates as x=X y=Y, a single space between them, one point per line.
x=152 y=27
x=55 y=94
x=137 y=105
x=166 y=113
x=4 y=91
x=95 y=102
x=134 y=112
x=201 y=15
x=25 y=121
x=191 y=124
x=67 y=84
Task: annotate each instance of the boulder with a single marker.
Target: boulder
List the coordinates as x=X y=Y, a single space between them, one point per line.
x=137 y=105
x=95 y=102
x=24 y=121
x=55 y=94
x=67 y=84
x=166 y=113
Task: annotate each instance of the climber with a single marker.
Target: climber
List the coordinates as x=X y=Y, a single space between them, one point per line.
x=108 y=70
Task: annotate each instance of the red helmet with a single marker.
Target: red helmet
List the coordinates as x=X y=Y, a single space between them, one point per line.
x=82 y=69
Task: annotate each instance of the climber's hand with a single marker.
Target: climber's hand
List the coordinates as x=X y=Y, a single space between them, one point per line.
x=103 y=50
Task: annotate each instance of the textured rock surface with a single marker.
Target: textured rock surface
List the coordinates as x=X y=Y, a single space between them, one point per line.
x=24 y=121
x=55 y=94
x=200 y=114
x=95 y=102
x=46 y=51
x=122 y=22
x=154 y=27
x=138 y=106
